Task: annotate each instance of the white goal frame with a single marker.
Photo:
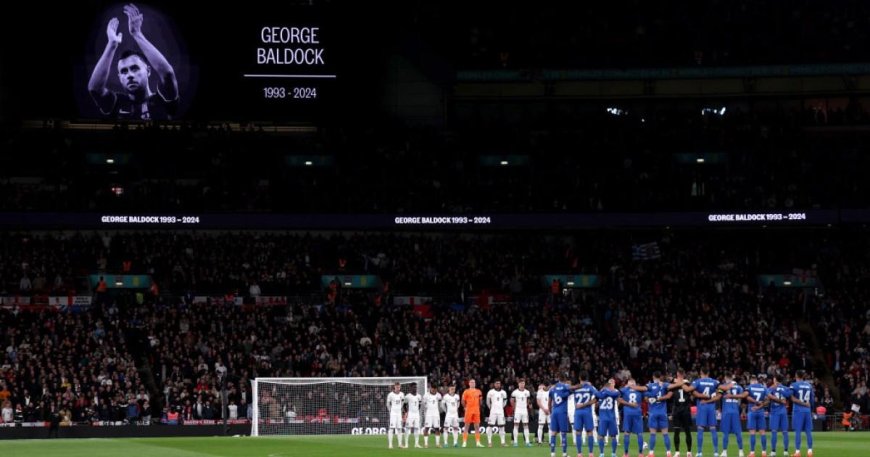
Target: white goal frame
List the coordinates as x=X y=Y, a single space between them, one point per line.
x=421 y=381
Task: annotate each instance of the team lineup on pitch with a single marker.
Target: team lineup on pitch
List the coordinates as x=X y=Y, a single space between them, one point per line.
x=596 y=417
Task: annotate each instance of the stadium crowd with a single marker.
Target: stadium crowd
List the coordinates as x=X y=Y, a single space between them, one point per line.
x=107 y=362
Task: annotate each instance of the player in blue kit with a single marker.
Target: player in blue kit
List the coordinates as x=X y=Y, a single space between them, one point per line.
x=778 y=395
x=585 y=397
x=559 y=395
x=607 y=397
x=704 y=390
x=632 y=421
x=803 y=399
x=758 y=402
x=734 y=395
x=657 y=394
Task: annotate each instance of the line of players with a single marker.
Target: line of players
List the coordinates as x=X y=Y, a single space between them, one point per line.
x=405 y=414
x=706 y=391
x=553 y=404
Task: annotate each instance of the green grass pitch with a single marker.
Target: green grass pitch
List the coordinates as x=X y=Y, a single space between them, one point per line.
x=831 y=444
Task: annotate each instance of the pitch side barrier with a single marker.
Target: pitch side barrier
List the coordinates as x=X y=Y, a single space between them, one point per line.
x=215 y=428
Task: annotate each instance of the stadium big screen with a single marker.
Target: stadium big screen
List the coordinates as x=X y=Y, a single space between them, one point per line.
x=255 y=61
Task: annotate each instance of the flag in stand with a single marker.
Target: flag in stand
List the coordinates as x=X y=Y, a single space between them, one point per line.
x=646 y=251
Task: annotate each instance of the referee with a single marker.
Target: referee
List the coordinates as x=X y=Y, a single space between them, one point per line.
x=682 y=413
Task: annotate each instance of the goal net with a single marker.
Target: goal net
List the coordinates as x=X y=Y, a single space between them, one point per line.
x=325 y=406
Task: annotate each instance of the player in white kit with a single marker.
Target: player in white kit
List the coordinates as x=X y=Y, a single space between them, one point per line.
x=432 y=417
x=496 y=399
x=450 y=405
x=594 y=428
x=543 y=401
x=395 y=403
x=520 y=402
x=412 y=424
x=571 y=409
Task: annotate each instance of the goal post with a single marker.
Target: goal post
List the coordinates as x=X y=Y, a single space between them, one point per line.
x=324 y=406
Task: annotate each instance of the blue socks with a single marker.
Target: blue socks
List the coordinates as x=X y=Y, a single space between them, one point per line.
x=652 y=442
x=774 y=440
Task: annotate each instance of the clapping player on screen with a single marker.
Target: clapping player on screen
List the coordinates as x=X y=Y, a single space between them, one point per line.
x=134 y=70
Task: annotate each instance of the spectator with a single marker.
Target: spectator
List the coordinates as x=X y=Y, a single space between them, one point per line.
x=6 y=413
x=65 y=416
x=171 y=417
x=25 y=285
x=132 y=411
x=146 y=413
x=54 y=418
x=254 y=290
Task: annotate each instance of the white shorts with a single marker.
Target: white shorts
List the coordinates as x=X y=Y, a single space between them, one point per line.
x=396 y=420
x=543 y=418
x=521 y=418
x=413 y=422
x=432 y=421
x=451 y=421
x=496 y=419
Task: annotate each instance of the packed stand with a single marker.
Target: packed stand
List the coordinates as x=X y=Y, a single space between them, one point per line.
x=274 y=263
x=76 y=366
x=643 y=317
x=843 y=324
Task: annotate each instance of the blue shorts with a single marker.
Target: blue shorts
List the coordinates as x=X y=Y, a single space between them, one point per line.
x=706 y=417
x=607 y=427
x=632 y=423
x=583 y=421
x=658 y=422
x=731 y=423
x=802 y=422
x=559 y=422
x=756 y=421
x=779 y=422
